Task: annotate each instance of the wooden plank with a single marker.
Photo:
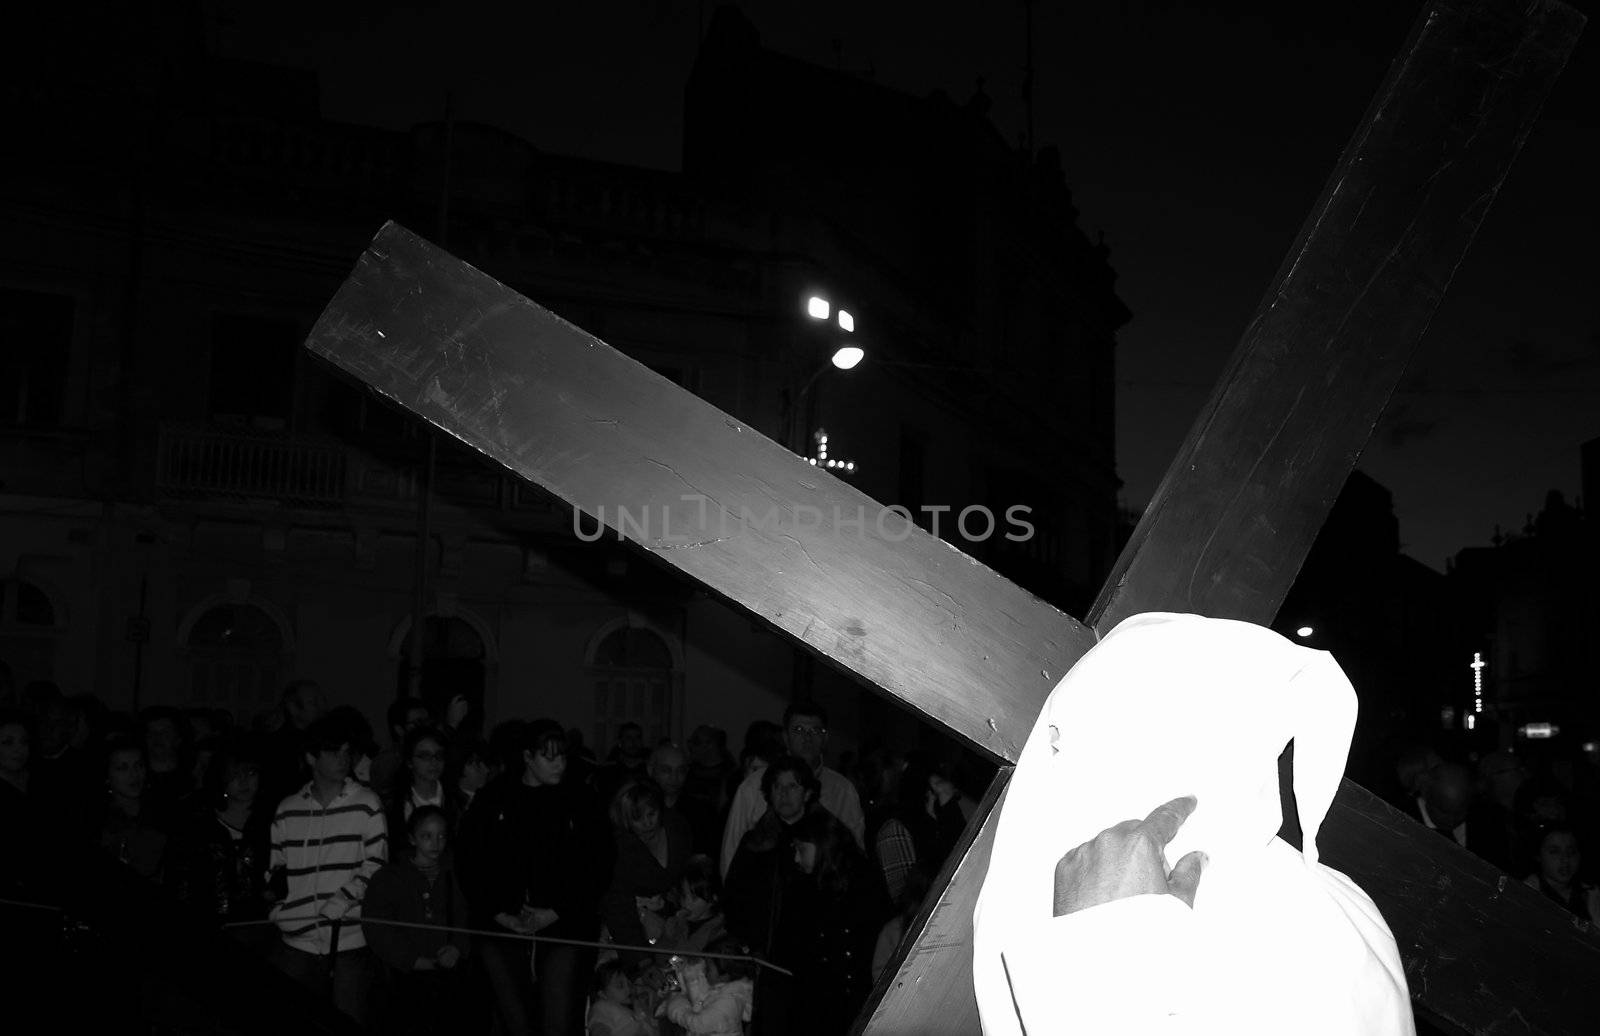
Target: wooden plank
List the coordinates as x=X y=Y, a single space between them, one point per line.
x=860 y=586
x=1228 y=528
x=1482 y=951
x=919 y=972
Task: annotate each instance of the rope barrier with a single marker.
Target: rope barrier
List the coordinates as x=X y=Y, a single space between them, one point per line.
x=319 y=919
x=31 y=906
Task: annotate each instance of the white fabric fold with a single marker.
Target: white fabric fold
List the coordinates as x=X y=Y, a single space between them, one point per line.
x=1169 y=705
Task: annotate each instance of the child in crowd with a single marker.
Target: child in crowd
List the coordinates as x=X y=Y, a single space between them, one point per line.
x=719 y=1001
x=611 y=1009
x=698 y=919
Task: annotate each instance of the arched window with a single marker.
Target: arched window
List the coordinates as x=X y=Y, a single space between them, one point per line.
x=632 y=671
x=30 y=627
x=454 y=661
x=237 y=656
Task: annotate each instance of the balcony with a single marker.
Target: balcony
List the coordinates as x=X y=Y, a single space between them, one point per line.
x=204 y=463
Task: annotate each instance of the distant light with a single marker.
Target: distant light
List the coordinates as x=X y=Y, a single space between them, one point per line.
x=1447 y=717
x=849 y=465
x=833 y=463
x=848 y=356
x=1472 y=721
x=813 y=461
x=1591 y=747
x=846 y=321
x=1304 y=631
x=1539 y=731
x=817 y=306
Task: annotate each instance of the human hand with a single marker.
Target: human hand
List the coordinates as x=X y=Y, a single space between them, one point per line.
x=539 y=918
x=514 y=922
x=456 y=711
x=448 y=956
x=333 y=908
x=1127 y=860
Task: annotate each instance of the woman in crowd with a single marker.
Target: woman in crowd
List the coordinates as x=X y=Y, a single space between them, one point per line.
x=1557 y=862
x=652 y=846
x=469 y=769
x=218 y=859
x=418 y=782
x=763 y=867
x=698 y=920
x=829 y=924
x=128 y=830
x=536 y=862
x=423 y=967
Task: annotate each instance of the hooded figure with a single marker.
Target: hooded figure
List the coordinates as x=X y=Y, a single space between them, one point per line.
x=1166 y=706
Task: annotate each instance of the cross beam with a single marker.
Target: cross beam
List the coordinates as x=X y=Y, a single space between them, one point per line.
x=914 y=618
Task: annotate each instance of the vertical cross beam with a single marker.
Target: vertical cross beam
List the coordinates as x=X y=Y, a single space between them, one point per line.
x=1228 y=528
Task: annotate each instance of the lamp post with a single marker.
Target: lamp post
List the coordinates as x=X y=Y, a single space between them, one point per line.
x=845 y=356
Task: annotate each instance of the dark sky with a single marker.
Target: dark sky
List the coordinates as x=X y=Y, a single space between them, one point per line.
x=1195 y=137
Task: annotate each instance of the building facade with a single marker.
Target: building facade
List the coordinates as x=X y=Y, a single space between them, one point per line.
x=193 y=510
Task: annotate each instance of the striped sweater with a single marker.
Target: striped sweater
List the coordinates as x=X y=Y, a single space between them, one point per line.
x=327 y=853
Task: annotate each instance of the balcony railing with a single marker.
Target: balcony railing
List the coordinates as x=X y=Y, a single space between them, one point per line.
x=196 y=462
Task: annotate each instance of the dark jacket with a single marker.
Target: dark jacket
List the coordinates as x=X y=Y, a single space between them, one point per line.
x=218 y=874
x=400 y=892
x=540 y=847
x=638 y=873
x=758 y=879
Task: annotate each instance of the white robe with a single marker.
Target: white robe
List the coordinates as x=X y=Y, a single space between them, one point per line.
x=1169 y=705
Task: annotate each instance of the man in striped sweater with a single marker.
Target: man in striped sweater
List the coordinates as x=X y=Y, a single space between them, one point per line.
x=328 y=838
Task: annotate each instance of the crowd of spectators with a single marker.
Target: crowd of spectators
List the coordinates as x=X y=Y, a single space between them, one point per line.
x=449 y=882
x=1529 y=812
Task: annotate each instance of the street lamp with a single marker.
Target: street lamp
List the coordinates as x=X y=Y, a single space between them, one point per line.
x=844 y=357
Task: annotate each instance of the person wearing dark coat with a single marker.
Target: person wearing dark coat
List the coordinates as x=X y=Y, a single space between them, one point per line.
x=423 y=968
x=763 y=866
x=217 y=862
x=535 y=860
x=652 y=846
x=828 y=926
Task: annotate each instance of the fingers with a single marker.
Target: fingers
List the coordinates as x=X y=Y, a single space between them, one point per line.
x=1185 y=877
x=1163 y=822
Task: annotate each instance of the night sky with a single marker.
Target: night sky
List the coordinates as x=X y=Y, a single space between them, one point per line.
x=1195 y=139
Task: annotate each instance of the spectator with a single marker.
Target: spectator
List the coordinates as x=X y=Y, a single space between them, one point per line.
x=725 y=1003
x=534 y=861
x=1413 y=768
x=698 y=920
x=128 y=829
x=909 y=900
x=358 y=734
x=805 y=732
x=170 y=781
x=63 y=772
x=219 y=857
x=419 y=782
x=423 y=968
x=828 y=925
x=19 y=811
x=1558 y=861
x=710 y=767
x=763 y=742
x=1447 y=806
x=911 y=833
x=763 y=866
x=403 y=716
x=284 y=772
x=328 y=839
x=625 y=761
x=669 y=768
x=652 y=846
x=468 y=770
x=611 y=1011
x=581 y=763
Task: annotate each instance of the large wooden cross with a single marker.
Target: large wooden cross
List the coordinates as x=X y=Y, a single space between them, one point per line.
x=1224 y=536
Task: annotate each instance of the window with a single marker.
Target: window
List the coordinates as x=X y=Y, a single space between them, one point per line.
x=634 y=682
x=35 y=345
x=252 y=371
x=236 y=654
x=453 y=662
x=30 y=626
